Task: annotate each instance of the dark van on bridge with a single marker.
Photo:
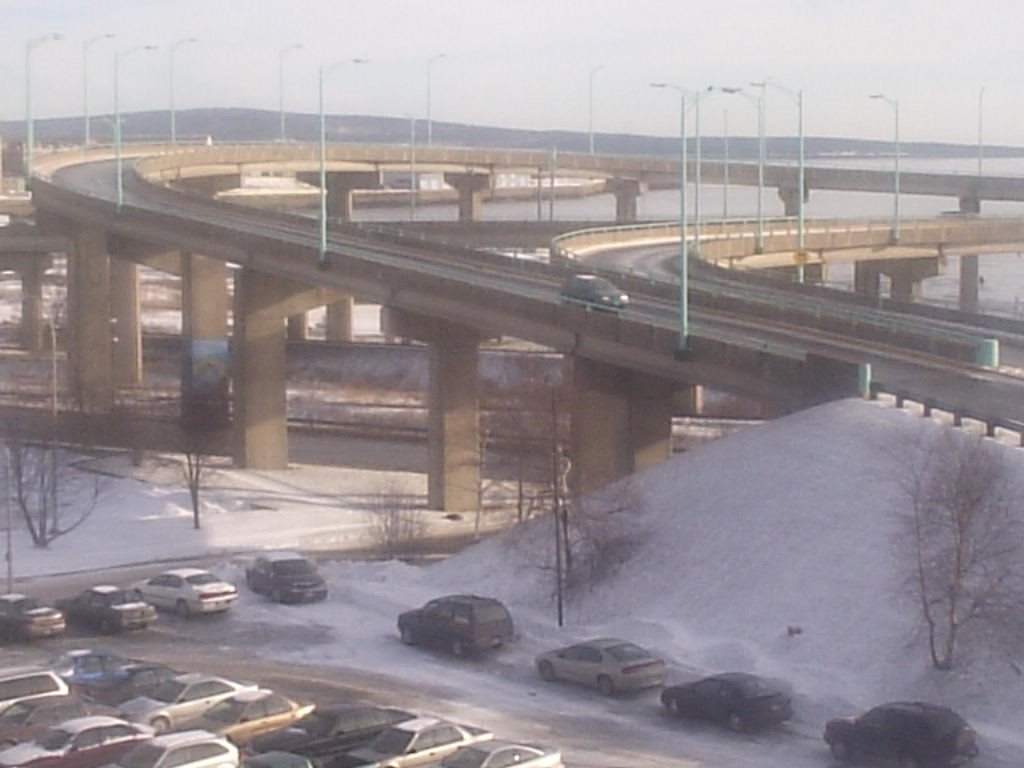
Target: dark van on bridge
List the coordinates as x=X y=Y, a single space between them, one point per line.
x=594 y=291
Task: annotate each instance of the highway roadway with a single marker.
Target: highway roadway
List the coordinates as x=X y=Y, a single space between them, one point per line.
x=897 y=365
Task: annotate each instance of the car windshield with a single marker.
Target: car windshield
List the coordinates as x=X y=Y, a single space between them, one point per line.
x=142 y=756
x=168 y=691
x=202 y=578
x=293 y=567
x=628 y=652
x=123 y=596
x=393 y=741
x=467 y=757
x=53 y=738
x=227 y=711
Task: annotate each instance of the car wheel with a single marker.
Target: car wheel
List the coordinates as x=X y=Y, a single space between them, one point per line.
x=407 y=635
x=459 y=647
x=840 y=750
x=735 y=722
x=181 y=608
x=546 y=670
x=605 y=685
x=161 y=724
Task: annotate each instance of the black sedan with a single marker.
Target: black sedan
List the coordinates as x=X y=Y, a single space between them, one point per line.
x=134 y=678
x=913 y=733
x=109 y=609
x=737 y=699
x=329 y=731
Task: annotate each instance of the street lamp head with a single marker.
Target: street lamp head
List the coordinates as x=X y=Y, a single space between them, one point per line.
x=725 y=89
x=56 y=36
x=876 y=96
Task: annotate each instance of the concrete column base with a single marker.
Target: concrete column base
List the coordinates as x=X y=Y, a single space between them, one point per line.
x=298 y=328
x=908 y=274
x=339 y=320
x=32 y=325
x=471 y=188
x=627 y=192
x=90 y=356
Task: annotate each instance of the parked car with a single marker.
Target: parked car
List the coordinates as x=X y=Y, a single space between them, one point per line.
x=27 y=719
x=109 y=609
x=739 y=700
x=22 y=683
x=911 y=732
x=277 y=760
x=594 y=291
x=83 y=666
x=181 y=698
x=330 y=731
x=187 y=749
x=460 y=623
x=187 y=591
x=246 y=715
x=421 y=741
x=80 y=743
x=25 y=618
x=609 y=664
x=133 y=679
x=503 y=754
x=286 y=577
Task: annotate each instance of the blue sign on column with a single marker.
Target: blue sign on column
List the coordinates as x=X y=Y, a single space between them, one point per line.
x=206 y=384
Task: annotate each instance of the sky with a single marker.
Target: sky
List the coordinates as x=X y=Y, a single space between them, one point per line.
x=529 y=63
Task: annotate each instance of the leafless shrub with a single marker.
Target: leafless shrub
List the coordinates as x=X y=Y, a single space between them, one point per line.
x=396 y=526
x=963 y=537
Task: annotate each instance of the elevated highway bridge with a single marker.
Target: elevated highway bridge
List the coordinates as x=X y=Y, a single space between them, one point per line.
x=626 y=367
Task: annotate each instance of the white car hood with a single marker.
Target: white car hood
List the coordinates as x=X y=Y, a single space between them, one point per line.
x=22 y=753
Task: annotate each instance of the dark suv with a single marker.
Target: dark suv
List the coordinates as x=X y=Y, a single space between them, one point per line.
x=286 y=577
x=912 y=733
x=594 y=291
x=461 y=624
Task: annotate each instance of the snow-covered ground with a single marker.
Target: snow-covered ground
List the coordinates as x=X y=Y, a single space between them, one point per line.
x=786 y=524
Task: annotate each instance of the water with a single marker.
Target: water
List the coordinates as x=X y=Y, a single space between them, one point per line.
x=1002 y=275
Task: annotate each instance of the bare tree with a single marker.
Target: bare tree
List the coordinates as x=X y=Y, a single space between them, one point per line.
x=396 y=525
x=37 y=472
x=964 y=536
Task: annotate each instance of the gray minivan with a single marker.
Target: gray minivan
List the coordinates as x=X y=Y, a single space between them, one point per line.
x=462 y=624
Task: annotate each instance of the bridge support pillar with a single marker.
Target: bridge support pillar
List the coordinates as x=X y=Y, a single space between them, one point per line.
x=297 y=327
x=259 y=425
x=339 y=319
x=126 y=353
x=969 y=275
x=626 y=192
x=970 y=204
x=204 y=298
x=621 y=423
x=907 y=276
x=867 y=278
x=471 y=188
x=32 y=324
x=90 y=363
x=790 y=197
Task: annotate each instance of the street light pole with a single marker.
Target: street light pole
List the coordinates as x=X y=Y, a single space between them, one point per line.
x=895 y=104
x=981 y=146
x=118 y=56
x=412 y=168
x=798 y=97
x=280 y=83
x=30 y=46
x=725 y=167
x=758 y=102
x=590 y=107
x=325 y=69
x=684 y=296
x=170 y=56
x=430 y=122
x=85 y=79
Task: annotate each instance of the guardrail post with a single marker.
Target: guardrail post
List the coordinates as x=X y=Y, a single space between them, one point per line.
x=864 y=381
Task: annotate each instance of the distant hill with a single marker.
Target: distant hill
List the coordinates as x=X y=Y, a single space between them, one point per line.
x=228 y=124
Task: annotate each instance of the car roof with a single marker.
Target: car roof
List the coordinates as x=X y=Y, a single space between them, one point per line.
x=493 y=745
x=283 y=555
x=12 y=597
x=921 y=707
x=104 y=589
x=468 y=598
x=197 y=677
x=46 y=701
x=91 y=721
x=417 y=723
x=246 y=696
x=605 y=642
x=184 y=737
x=184 y=572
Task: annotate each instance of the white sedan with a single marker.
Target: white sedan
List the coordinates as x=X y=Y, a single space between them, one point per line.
x=187 y=591
x=181 y=698
x=498 y=754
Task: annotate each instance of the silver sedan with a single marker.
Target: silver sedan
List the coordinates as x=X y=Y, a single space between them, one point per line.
x=499 y=754
x=609 y=664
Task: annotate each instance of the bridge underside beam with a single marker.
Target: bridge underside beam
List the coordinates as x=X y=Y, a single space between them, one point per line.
x=471 y=188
